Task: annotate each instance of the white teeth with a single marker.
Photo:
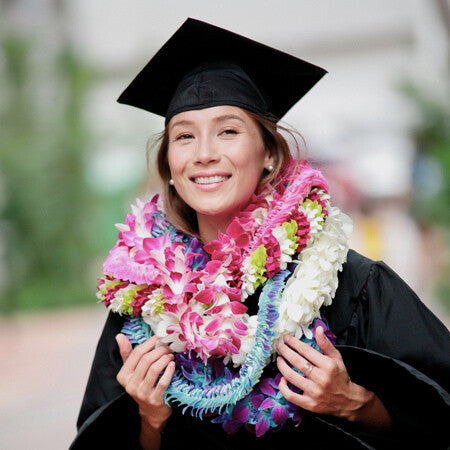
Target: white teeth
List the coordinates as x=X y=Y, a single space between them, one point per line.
x=210 y=180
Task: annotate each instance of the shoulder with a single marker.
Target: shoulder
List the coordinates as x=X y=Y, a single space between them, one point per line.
x=371 y=293
x=352 y=280
x=355 y=273
x=375 y=309
x=360 y=274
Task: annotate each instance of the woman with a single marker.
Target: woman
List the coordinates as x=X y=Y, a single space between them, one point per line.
x=248 y=338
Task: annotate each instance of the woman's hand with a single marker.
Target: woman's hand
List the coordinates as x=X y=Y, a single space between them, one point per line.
x=139 y=376
x=326 y=386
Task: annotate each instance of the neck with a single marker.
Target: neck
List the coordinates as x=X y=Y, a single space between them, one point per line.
x=209 y=226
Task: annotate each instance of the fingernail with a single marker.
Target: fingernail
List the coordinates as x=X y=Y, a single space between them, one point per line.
x=287 y=338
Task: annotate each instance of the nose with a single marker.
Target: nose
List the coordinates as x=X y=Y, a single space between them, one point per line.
x=206 y=151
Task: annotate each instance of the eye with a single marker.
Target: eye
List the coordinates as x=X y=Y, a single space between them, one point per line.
x=229 y=131
x=183 y=137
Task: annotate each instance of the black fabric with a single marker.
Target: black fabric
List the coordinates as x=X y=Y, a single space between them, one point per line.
x=215 y=84
x=102 y=385
x=280 y=78
x=391 y=344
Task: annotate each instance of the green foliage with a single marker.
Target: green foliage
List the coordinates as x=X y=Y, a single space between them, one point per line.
x=432 y=136
x=49 y=216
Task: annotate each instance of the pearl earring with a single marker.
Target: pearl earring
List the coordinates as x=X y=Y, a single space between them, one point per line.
x=270 y=168
x=171 y=182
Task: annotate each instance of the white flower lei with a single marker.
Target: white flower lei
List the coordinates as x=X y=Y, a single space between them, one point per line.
x=311 y=286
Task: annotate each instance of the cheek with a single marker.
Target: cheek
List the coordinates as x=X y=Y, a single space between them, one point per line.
x=251 y=180
x=251 y=161
x=175 y=162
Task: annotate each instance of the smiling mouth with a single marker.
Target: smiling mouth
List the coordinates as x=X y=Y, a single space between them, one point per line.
x=210 y=180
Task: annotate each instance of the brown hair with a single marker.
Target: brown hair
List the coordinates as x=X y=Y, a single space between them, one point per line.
x=180 y=213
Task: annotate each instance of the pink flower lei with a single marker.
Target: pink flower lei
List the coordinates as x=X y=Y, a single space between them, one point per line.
x=194 y=303
x=290 y=241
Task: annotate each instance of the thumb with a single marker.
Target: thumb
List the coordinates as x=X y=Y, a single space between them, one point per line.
x=325 y=345
x=125 y=347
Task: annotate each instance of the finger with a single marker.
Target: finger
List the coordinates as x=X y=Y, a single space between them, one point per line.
x=155 y=370
x=125 y=347
x=325 y=345
x=305 y=350
x=138 y=352
x=291 y=396
x=148 y=360
x=292 y=376
x=165 y=380
x=129 y=366
x=143 y=385
x=296 y=360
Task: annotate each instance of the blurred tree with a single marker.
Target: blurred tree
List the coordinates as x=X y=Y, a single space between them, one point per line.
x=432 y=137
x=47 y=206
x=431 y=196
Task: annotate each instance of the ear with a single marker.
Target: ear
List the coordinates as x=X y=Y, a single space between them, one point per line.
x=269 y=160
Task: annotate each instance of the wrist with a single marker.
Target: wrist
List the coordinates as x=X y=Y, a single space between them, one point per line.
x=368 y=411
x=361 y=401
x=152 y=424
x=150 y=435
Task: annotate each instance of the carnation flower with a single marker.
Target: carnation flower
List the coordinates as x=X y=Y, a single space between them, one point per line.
x=286 y=235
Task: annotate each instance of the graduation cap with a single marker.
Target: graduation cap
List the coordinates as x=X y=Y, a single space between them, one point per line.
x=202 y=65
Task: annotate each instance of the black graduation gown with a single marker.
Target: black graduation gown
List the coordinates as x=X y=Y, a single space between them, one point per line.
x=390 y=342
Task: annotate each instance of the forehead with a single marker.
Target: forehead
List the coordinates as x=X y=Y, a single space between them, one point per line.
x=210 y=115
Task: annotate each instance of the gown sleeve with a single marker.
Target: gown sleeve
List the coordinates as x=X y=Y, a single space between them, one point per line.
x=394 y=346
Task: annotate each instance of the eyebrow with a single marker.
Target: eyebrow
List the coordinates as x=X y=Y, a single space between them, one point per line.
x=216 y=119
x=226 y=117
x=180 y=122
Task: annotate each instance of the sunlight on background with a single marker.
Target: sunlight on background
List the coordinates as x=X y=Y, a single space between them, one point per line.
x=72 y=160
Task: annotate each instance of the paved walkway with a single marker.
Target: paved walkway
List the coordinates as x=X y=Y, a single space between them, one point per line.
x=44 y=364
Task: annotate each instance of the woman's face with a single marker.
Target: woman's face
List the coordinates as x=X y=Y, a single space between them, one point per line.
x=216 y=158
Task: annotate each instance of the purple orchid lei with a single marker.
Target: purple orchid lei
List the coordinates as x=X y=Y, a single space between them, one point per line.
x=290 y=242
x=263 y=409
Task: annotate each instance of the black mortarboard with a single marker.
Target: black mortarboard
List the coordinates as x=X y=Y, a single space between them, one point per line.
x=202 y=65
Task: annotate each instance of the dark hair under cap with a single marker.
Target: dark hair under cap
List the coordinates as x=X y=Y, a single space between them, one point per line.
x=202 y=65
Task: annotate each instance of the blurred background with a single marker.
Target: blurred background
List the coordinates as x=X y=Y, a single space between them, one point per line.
x=72 y=160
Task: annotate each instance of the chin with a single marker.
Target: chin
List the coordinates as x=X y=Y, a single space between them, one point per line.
x=215 y=210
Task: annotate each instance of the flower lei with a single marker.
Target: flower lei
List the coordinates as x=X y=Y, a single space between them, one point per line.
x=289 y=242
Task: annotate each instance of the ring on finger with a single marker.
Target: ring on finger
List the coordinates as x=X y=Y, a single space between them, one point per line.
x=307 y=369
